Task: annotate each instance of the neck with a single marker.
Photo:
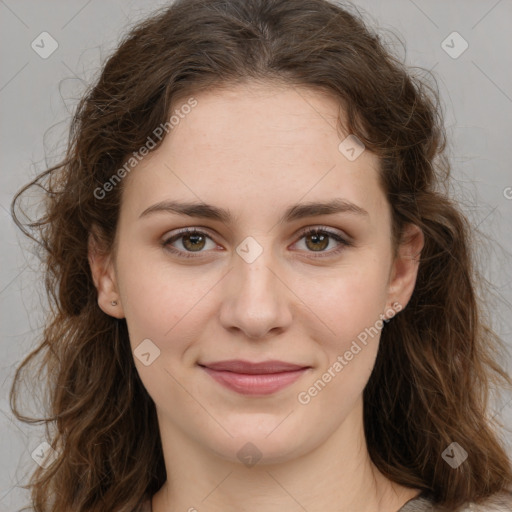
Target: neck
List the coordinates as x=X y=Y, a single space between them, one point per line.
x=338 y=475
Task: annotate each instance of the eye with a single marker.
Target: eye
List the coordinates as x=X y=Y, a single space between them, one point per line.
x=191 y=240
x=318 y=239
x=194 y=240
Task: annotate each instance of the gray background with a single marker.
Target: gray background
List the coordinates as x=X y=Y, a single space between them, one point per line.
x=37 y=96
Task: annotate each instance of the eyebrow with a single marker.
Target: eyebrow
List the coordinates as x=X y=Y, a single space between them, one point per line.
x=295 y=212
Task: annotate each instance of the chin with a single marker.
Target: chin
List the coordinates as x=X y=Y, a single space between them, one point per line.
x=266 y=442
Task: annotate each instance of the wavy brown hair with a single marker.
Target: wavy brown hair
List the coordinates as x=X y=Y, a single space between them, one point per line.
x=437 y=360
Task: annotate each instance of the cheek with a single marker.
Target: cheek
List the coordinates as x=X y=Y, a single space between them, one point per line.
x=166 y=305
x=350 y=302
x=349 y=341
x=155 y=299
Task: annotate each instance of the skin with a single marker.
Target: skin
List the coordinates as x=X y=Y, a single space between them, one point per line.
x=256 y=150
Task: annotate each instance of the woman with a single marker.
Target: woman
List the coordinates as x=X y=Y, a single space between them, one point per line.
x=264 y=299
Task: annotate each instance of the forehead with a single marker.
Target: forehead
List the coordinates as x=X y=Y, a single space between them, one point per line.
x=256 y=116
x=255 y=146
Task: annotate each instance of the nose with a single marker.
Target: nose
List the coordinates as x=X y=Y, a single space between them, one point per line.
x=256 y=298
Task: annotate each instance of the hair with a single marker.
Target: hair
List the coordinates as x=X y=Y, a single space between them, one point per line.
x=437 y=359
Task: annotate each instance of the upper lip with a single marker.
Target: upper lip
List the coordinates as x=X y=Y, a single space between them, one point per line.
x=239 y=366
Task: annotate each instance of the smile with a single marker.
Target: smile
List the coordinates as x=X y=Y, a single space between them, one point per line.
x=255 y=378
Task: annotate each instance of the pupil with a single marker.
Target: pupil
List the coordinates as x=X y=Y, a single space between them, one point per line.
x=319 y=238
x=195 y=240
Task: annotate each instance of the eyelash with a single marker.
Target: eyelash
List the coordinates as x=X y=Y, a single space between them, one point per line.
x=305 y=232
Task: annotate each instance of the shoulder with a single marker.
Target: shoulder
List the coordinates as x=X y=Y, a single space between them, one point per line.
x=501 y=502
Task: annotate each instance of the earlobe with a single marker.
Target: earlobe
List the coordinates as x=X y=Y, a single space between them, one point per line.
x=104 y=278
x=405 y=267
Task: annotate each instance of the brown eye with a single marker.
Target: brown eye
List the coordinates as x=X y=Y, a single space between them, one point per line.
x=318 y=240
x=190 y=240
x=194 y=242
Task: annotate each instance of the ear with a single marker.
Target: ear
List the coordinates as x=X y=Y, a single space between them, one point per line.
x=104 y=277
x=404 y=270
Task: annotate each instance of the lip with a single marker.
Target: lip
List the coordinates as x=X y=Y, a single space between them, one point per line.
x=250 y=378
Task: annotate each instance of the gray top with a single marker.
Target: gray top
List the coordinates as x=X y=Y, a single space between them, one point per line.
x=497 y=503
x=419 y=504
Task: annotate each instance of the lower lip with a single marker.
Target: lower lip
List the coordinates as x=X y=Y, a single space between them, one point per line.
x=260 y=384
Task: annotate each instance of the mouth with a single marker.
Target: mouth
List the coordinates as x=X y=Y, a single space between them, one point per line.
x=249 y=378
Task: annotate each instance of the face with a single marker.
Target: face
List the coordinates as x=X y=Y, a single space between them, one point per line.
x=252 y=284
